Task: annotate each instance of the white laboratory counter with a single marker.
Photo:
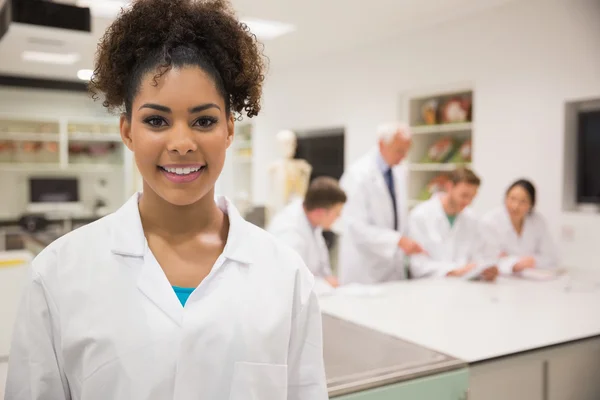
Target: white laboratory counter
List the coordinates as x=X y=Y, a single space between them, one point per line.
x=13 y=273
x=476 y=321
x=494 y=327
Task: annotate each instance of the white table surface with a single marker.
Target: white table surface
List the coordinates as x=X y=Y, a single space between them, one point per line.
x=476 y=321
x=12 y=279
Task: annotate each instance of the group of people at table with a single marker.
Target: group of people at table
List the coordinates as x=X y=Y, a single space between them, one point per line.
x=381 y=241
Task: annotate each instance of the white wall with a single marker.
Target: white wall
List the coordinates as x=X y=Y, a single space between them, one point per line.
x=525 y=60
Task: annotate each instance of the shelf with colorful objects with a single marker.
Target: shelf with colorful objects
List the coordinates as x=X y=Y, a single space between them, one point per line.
x=442 y=126
x=235 y=181
x=30 y=143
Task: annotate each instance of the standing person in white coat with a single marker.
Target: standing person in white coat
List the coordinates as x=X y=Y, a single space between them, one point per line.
x=450 y=233
x=174 y=296
x=301 y=223
x=373 y=244
x=518 y=233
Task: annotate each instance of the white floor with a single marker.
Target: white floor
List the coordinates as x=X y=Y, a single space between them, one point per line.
x=3 y=367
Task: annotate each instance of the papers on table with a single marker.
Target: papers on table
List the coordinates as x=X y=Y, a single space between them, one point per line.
x=539 y=274
x=322 y=288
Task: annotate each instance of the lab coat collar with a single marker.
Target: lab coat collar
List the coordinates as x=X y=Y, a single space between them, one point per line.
x=128 y=234
x=382 y=165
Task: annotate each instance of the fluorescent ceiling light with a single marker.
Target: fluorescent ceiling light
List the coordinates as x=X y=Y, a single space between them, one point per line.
x=85 y=74
x=103 y=8
x=267 y=30
x=50 y=58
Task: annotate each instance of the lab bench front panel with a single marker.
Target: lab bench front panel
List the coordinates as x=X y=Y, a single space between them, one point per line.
x=445 y=386
x=570 y=371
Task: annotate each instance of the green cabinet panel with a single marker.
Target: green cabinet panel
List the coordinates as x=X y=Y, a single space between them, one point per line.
x=447 y=386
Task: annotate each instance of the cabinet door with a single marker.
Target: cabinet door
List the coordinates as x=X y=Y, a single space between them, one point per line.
x=448 y=386
x=573 y=371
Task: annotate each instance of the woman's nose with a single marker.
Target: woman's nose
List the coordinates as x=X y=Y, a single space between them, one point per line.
x=182 y=140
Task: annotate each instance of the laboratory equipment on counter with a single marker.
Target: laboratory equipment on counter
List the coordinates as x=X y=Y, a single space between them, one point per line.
x=51 y=195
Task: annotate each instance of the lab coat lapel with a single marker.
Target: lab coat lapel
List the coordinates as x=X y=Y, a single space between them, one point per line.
x=153 y=283
x=401 y=198
x=310 y=233
x=443 y=225
x=129 y=243
x=381 y=192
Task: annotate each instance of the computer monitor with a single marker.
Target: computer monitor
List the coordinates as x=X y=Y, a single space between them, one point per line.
x=47 y=195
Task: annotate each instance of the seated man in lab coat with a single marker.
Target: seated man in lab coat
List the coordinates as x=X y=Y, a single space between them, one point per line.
x=301 y=223
x=450 y=233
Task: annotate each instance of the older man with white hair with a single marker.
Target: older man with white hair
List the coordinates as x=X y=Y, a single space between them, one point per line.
x=372 y=244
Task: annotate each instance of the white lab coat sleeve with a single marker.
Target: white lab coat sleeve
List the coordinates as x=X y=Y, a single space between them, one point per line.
x=493 y=243
x=506 y=264
x=380 y=242
x=483 y=247
x=306 y=369
x=423 y=265
x=546 y=255
x=325 y=266
x=34 y=369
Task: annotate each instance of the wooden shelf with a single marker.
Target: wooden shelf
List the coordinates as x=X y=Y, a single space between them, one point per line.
x=95 y=167
x=30 y=137
x=421 y=174
x=53 y=167
x=444 y=128
x=94 y=137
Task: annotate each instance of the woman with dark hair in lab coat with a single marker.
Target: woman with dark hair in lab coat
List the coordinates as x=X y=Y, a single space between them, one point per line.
x=175 y=295
x=518 y=233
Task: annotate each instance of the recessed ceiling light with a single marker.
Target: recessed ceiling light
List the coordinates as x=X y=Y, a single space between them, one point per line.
x=104 y=8
x=50 y=58
x=267 y=30
x=85 y=74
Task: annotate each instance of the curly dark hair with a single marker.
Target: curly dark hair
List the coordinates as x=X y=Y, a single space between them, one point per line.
x=156 y=35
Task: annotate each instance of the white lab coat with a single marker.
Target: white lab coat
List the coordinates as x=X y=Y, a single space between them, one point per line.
x=535 y=240
x=368 y=250
x=448 y=248
x=291 y=225
x=99 y=320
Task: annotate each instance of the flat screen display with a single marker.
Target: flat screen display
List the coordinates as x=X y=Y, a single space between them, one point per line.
x=588 y=171
x=53 y=190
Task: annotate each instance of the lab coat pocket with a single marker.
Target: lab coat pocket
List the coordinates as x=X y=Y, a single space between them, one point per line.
x=254 y=381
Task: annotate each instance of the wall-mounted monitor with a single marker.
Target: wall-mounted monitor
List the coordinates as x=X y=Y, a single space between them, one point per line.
x=53 y=194
x=588 y=157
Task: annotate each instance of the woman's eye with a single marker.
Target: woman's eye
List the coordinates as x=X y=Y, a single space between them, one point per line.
x=155 y=122
x=206 y=122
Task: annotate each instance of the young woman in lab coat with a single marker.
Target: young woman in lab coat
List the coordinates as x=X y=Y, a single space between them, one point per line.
x=518 y=233
x=174 y=296
x=301 y=223
x=450 y=233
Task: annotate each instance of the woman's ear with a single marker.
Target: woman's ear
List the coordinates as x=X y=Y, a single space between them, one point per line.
x=125 y=128
x=230 y=129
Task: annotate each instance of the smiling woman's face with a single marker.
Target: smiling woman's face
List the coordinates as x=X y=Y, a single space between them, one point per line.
x=179 y=132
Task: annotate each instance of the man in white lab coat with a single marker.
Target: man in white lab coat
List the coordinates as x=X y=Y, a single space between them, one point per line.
x=301 y=223
x=372 y=244
x=451 y=234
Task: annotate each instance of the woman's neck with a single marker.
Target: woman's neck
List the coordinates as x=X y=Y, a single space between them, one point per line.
x=517 y=225
x=164 y=218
